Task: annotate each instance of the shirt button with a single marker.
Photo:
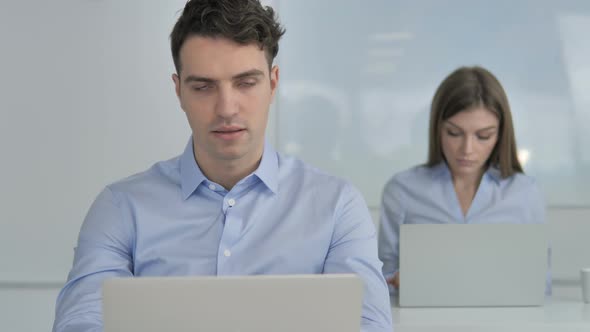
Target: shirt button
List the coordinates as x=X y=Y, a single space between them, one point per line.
x=231 y=202
x=212 y=186
x=227 y=253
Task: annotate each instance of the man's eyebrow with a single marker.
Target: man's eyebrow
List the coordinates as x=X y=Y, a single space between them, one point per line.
x=249 y=73
x=195 y=78
x=203 y=79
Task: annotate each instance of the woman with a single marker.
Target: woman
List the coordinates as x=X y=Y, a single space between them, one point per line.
x=472 y=174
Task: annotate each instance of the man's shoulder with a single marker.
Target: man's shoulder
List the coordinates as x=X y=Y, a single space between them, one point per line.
x=297 y=171
x=319 y=190
x=162 y=173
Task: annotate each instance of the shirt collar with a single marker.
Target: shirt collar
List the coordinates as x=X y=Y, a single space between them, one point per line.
x=268 y=170
x=191 y=175
x=442 y=169
x=494 y=174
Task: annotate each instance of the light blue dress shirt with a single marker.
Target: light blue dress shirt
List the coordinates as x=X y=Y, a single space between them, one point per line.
x=285 y=218
x=426 y=195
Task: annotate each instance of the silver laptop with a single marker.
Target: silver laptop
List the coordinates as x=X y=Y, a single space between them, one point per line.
x=329 y=302
x=472 y=265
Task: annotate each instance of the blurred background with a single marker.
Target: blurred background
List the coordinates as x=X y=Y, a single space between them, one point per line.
x=86 y=99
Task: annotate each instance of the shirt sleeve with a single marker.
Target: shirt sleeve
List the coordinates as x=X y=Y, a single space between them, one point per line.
x=104 y=250
x=354 y=250
x=390 y=219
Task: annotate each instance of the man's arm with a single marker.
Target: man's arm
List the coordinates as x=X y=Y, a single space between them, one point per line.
x=104 y=250
x=354 y=250
x=390 y=218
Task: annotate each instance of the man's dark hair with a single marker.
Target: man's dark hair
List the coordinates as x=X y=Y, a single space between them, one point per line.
x=242 y=21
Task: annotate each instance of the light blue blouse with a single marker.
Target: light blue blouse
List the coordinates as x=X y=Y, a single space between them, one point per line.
x=426 y=195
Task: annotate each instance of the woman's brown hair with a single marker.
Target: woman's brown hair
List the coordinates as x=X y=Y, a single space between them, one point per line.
x=464 y=89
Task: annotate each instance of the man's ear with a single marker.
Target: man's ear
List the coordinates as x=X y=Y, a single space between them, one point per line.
x=176 y=80
x=274 y=79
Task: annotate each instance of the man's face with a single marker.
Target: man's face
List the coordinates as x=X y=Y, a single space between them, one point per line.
x=225 y=89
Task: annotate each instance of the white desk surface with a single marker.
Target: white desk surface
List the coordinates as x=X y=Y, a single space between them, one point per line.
x=564 y=311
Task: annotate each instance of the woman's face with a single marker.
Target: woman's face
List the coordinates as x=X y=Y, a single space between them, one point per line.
x=468 y=138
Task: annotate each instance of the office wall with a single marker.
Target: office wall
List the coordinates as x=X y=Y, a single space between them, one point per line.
x=86 y=99
x=364 y=78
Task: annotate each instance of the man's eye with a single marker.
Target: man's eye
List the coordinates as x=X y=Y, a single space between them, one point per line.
x=201 y=87
x=246 y=84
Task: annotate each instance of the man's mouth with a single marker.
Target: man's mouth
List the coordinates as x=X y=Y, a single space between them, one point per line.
x=229 y=132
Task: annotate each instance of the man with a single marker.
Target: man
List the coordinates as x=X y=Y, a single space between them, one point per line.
x=230 y=204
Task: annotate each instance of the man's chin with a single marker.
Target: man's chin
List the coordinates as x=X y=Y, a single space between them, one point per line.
x=230 y=154
x=235 y=153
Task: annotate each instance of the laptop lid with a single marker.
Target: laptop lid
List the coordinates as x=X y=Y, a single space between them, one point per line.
x=472 y=265
x=328 y=302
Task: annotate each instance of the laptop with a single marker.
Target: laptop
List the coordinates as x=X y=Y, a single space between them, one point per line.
x=456 y=265
x=287 y=303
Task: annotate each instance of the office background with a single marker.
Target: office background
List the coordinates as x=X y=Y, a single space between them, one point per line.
x=87 y=98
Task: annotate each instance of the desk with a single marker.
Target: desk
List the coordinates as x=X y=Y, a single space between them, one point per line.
x=563 y=312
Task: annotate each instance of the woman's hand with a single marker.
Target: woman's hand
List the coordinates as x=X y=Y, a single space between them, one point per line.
x=394 y=281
